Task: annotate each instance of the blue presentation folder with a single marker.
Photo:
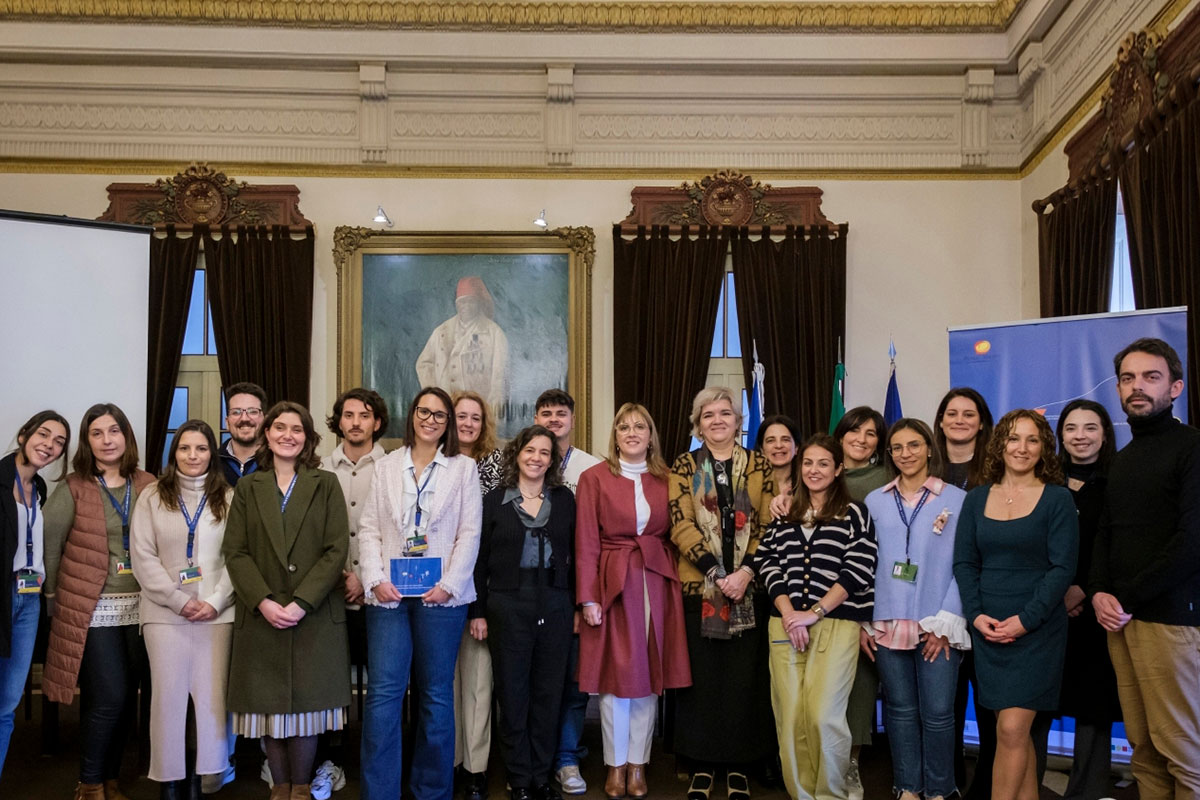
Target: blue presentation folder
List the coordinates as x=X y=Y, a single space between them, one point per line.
x=413 y=577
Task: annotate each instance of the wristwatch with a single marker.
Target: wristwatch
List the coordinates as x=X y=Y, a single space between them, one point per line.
x=819 y=611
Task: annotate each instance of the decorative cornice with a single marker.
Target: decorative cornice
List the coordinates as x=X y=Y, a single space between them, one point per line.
x=516 y=15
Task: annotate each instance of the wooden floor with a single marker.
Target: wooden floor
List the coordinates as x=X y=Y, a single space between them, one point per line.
x=31 y=775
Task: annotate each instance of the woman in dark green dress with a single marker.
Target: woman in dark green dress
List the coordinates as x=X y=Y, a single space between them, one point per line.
x=1014 y=557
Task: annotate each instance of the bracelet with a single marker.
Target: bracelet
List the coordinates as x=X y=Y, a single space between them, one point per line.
x=819 y=611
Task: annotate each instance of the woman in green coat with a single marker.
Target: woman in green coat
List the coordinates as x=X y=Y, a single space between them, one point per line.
x=285 y=545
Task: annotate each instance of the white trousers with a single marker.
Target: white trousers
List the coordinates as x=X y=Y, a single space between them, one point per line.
x=473 y=704
x=628 y=727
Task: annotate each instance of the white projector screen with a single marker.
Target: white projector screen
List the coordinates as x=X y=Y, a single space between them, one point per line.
x=73 y=321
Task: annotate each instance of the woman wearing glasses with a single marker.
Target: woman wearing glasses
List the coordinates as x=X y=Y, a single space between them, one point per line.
x=425 y=503
x=633 y=645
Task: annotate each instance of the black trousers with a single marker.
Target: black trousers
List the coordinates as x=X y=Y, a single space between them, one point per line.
x=114 y=660
x=529 y=635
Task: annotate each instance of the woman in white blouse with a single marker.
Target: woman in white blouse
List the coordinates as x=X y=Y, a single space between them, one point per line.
x=186 y=607
x=424 y=503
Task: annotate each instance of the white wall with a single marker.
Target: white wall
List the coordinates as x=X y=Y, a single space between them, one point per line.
x=922 y=256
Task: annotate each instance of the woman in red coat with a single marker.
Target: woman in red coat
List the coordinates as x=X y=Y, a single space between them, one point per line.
x=633 y=645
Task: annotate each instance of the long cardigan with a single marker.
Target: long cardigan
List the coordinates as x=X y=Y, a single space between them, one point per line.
x=297 y=555
x=613 y=564
x=81 y=574
x=11 y=540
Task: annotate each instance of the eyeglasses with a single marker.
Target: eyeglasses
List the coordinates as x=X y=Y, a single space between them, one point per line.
x=251 y=413
x=438 y=416
x=911 y=447
x=626 y=427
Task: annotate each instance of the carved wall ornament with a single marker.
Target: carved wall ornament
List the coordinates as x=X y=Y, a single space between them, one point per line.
x=201 y=195
x=518 y=15
x=727 y=197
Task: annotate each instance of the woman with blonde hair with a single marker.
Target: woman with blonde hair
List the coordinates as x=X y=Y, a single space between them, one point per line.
x=633 y=644
x=720 y=498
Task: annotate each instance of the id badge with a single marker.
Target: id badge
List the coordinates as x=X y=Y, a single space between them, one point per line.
x=124 y=567
x=189 y=575
x=905 y=572
x=416 y=545
x=29 y=582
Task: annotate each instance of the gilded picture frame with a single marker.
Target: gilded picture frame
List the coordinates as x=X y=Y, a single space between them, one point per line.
x=506 y=314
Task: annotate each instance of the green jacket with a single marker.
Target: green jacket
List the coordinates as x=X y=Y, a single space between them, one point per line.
x=297 y=555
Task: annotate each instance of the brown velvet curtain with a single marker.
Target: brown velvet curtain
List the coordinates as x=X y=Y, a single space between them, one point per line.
x=260 y=287
x=1160 y=185
x=172 y=267
x=665 y=297
x=1075 y=249
x=792 y=302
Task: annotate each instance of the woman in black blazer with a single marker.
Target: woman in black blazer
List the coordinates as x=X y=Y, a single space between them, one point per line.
x=40 y=442
x=525 y=606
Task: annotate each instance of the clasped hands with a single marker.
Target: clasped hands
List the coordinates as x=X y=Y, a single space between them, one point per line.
x=281 y=617
x=197 y=611
x=997 y=631
x=796 y=625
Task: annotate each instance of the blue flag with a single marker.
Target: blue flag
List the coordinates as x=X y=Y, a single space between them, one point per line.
x=891 y=405
x=754 y=415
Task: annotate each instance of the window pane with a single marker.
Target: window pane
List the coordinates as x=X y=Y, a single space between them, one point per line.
x=179 y=408
x=193 y=335
x=733 y=342
x=1121 y=293
x=162 y=459
x=718 y=344
x=212 y=337
x=225 y=413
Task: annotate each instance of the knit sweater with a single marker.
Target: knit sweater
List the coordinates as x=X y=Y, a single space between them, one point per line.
x=1147 y=550
x=840 y=551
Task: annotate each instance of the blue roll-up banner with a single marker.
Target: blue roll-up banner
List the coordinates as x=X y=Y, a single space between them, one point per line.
x=1046 y=363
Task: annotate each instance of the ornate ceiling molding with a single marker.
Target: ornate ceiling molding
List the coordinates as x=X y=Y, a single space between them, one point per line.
x=514 y=15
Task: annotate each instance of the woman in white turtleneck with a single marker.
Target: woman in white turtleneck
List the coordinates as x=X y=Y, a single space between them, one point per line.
x=633 y=645
x=186 y=607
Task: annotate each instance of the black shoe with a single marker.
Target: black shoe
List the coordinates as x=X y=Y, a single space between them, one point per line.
x=547 y=792
x=520 y=793
x=194 y=791
x=170 y=790
x=475 y=786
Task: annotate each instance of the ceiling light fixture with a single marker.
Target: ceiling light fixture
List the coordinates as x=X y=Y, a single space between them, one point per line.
x=382 y=218
x=541 y=220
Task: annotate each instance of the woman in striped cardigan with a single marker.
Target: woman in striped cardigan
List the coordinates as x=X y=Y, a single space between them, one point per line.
x=818 y=565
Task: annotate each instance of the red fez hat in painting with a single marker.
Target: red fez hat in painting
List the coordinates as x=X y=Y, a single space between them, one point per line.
x=473 y=286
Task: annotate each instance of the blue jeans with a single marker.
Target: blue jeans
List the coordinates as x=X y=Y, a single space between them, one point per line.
x=571 y=714
x=425 y=638
x=919 y=715
x=15 y=668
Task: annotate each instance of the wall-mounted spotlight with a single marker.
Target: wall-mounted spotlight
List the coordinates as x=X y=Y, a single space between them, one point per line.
x=541 y=220
x=382 y=218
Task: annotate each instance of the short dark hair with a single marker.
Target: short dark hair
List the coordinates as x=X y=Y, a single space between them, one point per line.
x=1048 y=469
x=1154 y=347
x=369 y=398
x=245 y=387
x=937 y=464
x=449 y=440
x=84 y=462
x=554 y=397
x=777 y=419
x=308 y=454
x=857 y=416
x=30 y=427
x=510 y=472
x=1107 y=450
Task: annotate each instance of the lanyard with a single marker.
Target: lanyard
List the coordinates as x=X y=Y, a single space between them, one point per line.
x=121 y=508
x=192 y=522
x=286 y=495
x=30 y=518
x=421 y=490
x=907 y=522
x=562 y=468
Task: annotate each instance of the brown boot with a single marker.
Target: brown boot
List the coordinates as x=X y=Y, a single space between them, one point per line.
x=301 y=791
x=112 y=790
x=281 y=791
x=635 y=781
x=89 y=791
x=614 y=784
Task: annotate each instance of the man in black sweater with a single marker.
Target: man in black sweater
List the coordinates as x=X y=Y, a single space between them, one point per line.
x=1145 y=580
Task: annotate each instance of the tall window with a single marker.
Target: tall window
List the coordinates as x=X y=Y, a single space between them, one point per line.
x=725 y=357
x=1121 y=294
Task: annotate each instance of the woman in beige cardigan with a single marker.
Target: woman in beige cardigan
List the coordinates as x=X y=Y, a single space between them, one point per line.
x=186 y=607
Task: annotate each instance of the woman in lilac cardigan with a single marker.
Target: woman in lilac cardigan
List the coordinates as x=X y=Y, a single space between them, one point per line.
x=424 y=502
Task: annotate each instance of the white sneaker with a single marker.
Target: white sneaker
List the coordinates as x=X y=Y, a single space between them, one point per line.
x=570 y=780
x=265 y=774
x=854 y=785
x=211 y=784
x=329 y=778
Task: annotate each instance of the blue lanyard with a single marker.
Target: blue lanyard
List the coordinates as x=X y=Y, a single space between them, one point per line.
x=562 y=468
x=192 y=522
x=908 y=523
x=30 y=518
x=421 y=490
x=121 y=508
x=286 y=495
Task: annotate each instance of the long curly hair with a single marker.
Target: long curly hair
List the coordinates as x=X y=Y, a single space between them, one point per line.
x=1048 y=468
x=510 y=472
x=486 y=442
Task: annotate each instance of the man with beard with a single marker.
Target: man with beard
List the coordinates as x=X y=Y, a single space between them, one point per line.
x=1145 y=579
x=244 y=404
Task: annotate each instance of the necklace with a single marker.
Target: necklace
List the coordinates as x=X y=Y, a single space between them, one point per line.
x=1008 y=500
x=537 y=496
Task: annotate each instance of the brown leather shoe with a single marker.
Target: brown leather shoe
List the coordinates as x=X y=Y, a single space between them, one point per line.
x=301 y=791
x=112 y=790
x=614 y=784
x=281 y=791
x=635 y=781
x=89 y=791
